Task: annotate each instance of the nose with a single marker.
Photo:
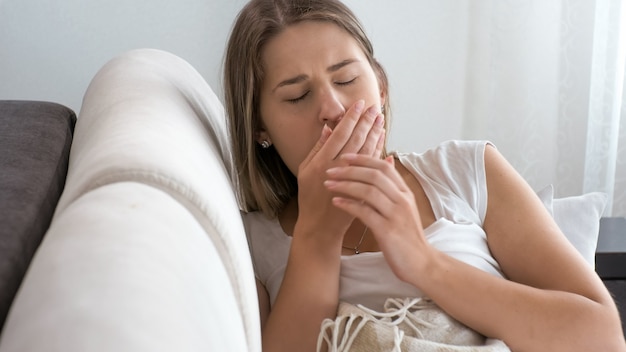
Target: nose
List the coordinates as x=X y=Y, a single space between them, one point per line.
x=331 y=108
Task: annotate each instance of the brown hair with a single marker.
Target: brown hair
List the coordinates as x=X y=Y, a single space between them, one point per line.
x=264 y=181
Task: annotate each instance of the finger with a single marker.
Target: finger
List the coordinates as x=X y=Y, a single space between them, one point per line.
x=386 y=167
x=361 y=131
x=370 y=217
x=326 y=132
x=375 y=196
x=343 y=131
x=381 y=145
x=371 y=145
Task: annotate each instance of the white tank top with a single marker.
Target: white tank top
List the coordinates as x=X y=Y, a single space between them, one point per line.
x=453 y=178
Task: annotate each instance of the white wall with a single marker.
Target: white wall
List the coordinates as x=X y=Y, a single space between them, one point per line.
x=418 y=43
x=50 y=49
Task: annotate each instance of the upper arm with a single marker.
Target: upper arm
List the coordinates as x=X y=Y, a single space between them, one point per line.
x=525 y=240
x=264 y=302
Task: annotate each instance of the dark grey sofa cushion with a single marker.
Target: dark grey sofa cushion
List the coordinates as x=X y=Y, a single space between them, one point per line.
x=35 y=139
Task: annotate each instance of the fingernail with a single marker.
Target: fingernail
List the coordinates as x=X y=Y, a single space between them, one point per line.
x=332 y=170
x=358 y=107
x=329 y=183
x=326 y=131
x=372 y=111
x=380 y=120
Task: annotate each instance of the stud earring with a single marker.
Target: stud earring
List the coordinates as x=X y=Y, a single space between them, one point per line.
x=265 y=144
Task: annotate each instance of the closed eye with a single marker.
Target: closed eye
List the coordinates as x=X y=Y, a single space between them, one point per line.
x=298 y=99
x=346 y=83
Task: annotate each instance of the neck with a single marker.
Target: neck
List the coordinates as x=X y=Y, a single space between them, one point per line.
x=288 y=216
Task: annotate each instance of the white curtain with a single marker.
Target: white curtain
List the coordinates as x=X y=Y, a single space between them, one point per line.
x=546 y=84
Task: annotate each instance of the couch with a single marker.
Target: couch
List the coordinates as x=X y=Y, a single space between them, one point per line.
x=144 y=248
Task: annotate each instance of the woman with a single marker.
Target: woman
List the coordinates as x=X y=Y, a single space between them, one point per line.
x=330 y=217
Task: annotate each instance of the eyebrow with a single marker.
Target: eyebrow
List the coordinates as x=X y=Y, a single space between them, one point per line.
x=300 y=78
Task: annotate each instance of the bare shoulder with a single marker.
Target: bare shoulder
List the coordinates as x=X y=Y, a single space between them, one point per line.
x=525 y=240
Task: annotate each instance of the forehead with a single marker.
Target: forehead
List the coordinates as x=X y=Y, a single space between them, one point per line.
x=309 y=45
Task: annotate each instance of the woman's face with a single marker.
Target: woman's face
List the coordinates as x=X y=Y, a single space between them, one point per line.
x=314 y=71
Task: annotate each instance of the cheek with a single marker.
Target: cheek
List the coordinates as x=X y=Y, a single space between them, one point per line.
x=293 y=141
x=374 y=91
x=297 y=148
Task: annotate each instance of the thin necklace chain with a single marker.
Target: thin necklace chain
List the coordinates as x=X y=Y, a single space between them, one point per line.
x=356 y=248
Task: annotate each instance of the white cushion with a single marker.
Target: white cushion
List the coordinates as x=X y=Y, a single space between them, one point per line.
x=578 y=217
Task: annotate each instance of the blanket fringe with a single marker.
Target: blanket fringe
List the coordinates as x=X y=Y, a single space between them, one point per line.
x=406 y=325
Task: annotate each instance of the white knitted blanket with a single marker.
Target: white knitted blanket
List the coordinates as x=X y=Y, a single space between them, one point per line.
x=406 y=325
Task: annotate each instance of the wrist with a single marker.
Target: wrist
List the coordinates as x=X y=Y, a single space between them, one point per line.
x=428 y=267
x=315 y=241
x=320 y=237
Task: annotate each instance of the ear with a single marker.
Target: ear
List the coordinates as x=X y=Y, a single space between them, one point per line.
x=383 y=82
x=382 y=90
x=261 y=136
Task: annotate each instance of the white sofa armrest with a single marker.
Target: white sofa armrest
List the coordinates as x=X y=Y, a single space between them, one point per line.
x=148 y=120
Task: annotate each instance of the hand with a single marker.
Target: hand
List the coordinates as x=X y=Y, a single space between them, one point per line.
x=357 y=132
x=371 y=190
